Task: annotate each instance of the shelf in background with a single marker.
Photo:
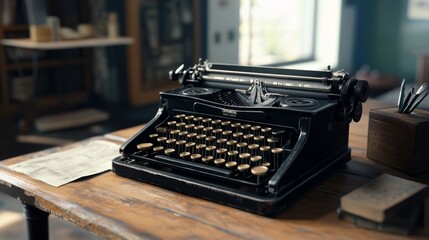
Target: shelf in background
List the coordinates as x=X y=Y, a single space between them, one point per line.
x=45 y=64
x=67 y=44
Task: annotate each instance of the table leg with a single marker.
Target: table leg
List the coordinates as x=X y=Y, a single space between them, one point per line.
x=37 y=222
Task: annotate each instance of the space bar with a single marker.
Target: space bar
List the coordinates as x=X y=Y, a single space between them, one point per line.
x=193 y=166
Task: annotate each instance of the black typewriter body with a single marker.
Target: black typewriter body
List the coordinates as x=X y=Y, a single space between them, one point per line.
x=247 y=137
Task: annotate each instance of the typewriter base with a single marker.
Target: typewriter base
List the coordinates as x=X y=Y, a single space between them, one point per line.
x=264 y=205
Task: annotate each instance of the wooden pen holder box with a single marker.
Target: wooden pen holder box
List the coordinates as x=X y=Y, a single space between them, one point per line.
x=399 y=140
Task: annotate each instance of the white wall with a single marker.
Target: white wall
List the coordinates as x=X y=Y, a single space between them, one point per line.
x=223 y=20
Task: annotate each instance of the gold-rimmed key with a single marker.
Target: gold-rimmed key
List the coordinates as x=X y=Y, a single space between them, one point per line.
x=169 y=151
x=219 y=161
x=244 y=167
x=255 y=160
x=180 y=116
x=244 y=157
x=231 y=144
x=277 y=152
x=195 y=157
x=181 y=145
x=207 y=159
x=185 y=155
x=144 y=146
x=259 y=171
x=158 y=149
x=231 y=164
x=241 y=147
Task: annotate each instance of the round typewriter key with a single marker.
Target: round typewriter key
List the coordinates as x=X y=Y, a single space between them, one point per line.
x=201 y=138
x=219 y=161
x=161 y=130
x=217 y=132
x=232 y=155
x=171 y=123
x=189 y=118
x=198 y=119
x=221 y=151
x=222 y=142
x=244 y=157
x=210 y=150
x=200 y=148
x=183 y=134
x=180 y=116
x=235 y=126
x=231 y=164
x=207 y=159
x=265 y=151
x=180 y=126
x=191 y=136
x=256 y=159
x=255 y=128
x=189 y=146
x=245 y=128
x=231 y=144
x=277 y=156
x=227 y=133
x=207 y=122
x=144 y=146
x=161 y=139
x=158 y=149
x=185 y=155
x=237 y=135
x=195 y=157
x=273 y=142
x=241 y=146
x=153 y=136
x=259 y=170
x=259 y=139
x=199 y=129
x=210 y=139
x=266 y=164
x=175 y=132
x=253 y=148
x=226 y=125
x=170 y=142
x=169 y=151
x=181 y=145
x=266 y=131
x=216 y=122
x=189 y=127
x=208 y=130
x=243 y=167
x=248 y=137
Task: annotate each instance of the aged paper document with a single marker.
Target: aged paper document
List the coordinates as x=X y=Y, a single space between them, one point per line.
x=65 y=166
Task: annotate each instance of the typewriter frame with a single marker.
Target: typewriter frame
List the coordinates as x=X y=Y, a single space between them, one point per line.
x=322 y=144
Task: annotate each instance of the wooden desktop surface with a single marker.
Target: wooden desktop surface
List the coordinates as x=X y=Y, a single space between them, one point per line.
x=117 y=207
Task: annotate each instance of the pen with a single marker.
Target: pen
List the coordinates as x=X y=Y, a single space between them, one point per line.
x=401 y=95
x=418 y=102
x=419 y=91
x=407 y=99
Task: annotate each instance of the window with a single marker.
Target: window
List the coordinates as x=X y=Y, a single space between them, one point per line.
x=276 y=32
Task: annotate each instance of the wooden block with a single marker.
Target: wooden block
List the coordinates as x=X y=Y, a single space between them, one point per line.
x=383 y=198
x=399 y=140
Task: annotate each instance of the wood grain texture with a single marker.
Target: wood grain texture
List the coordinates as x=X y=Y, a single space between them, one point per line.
x=117 y=207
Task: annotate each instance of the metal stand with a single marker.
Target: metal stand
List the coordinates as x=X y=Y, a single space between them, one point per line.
x=37 y=222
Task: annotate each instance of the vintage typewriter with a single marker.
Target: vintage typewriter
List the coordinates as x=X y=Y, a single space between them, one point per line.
x=244 y=136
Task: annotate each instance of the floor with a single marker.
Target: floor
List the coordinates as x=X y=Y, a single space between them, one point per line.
x=12 y=143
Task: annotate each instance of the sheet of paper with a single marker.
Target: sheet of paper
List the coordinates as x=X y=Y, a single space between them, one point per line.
x=65 y=166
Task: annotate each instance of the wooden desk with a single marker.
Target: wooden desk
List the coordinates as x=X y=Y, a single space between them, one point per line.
x=116 y=207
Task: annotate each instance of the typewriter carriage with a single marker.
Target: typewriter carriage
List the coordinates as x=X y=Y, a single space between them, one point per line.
x=313 y=107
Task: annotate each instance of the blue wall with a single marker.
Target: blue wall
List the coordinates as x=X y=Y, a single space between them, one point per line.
x=386 y=40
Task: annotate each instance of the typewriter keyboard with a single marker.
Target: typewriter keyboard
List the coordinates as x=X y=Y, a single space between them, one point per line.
x=217 y=147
